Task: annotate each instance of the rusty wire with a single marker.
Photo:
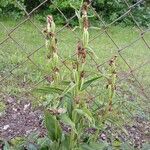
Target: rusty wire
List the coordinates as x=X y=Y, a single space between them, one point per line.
x=119 y=50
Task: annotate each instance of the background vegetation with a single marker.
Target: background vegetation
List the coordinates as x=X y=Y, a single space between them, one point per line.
x=109 y=10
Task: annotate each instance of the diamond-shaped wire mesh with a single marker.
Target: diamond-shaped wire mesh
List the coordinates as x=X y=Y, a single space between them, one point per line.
x=23 y=62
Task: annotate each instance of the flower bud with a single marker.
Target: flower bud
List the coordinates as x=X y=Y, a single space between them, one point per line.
x=55 y=58
x=85 y=38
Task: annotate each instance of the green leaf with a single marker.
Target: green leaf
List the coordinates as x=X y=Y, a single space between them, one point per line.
x=52 y=90
x=86 y=147
x=89 y=82
x=32 y=147
x=95 y=146
x=84 y=113
x=69 y=88
x=6 y=146
x=89 y=113
x=64 y=82
x=64 y=118
x=44 y=143
x=126 y=146
x=65 y=144
x=146 y=146
x=91 y=52
x=34 y=136
x=53 y=127
x=116 y=143
x=69 y=107
x=49 y=90
x=44 y=148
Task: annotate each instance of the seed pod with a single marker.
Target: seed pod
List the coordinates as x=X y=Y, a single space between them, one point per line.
x=113 y=93
x=109 y=91
x=81 y=83
x=53 y=27
x=50 y=24
x=82 y=66
x=85 y=38
x=79 y=48
x=84 y=9
x=56 y=74
x=85 y=22
x=55 y=59
x=75 y=75
x=57 y=77
x=114 y=79
x=81 y=80
x=88 y=1
x=49 y=48
x=47 y=43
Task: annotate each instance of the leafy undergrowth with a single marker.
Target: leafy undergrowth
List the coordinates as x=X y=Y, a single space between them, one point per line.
x=22 y=127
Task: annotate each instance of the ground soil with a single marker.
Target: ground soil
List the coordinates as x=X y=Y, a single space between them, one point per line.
x=20 y=119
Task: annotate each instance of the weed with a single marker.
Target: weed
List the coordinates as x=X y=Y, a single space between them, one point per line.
x=69 y=107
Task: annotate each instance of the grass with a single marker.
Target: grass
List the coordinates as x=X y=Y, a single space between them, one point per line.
x=2 y=107
x=29 y=38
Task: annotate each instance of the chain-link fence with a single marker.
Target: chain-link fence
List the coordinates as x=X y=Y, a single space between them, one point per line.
x=23 y=59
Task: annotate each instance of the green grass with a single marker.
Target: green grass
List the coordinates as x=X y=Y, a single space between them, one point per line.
x=28 y=74
x=2 y=107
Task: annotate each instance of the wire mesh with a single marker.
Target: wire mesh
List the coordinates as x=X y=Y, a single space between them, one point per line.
x=16 y=74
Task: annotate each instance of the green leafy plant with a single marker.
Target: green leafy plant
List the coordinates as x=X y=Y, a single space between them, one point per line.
x=107 y=9
x=72 y=110
x=68 y=115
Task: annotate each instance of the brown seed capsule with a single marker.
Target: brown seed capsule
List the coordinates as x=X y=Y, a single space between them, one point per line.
x=79 y=48
x=75 y=65
x=82 y=74
x=77 y=99
x=84 y=15
x=83 y=55
x=57 y=111
x=56 y=70
x=112 y=61
x=85 y=8
x=44 y=30
x=110 y=106
x=88 y=1
x=49 y=78
x=49 y=19
x=81 y=52
x=49 y=56
x=54 y=48
x=85 y=23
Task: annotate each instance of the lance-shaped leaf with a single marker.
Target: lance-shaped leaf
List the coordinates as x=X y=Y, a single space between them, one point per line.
x=91 y=52
x=53 y=127
x=44 y=143
x=65 y=119
x=31 y=146
x=95 y=146
x=53 y=90
x=68 y=88
x=6 y=146
x=89 y=82
x=84 y=113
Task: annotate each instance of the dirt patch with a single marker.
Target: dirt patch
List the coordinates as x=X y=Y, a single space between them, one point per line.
x=19 y=119
x=139 y=133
